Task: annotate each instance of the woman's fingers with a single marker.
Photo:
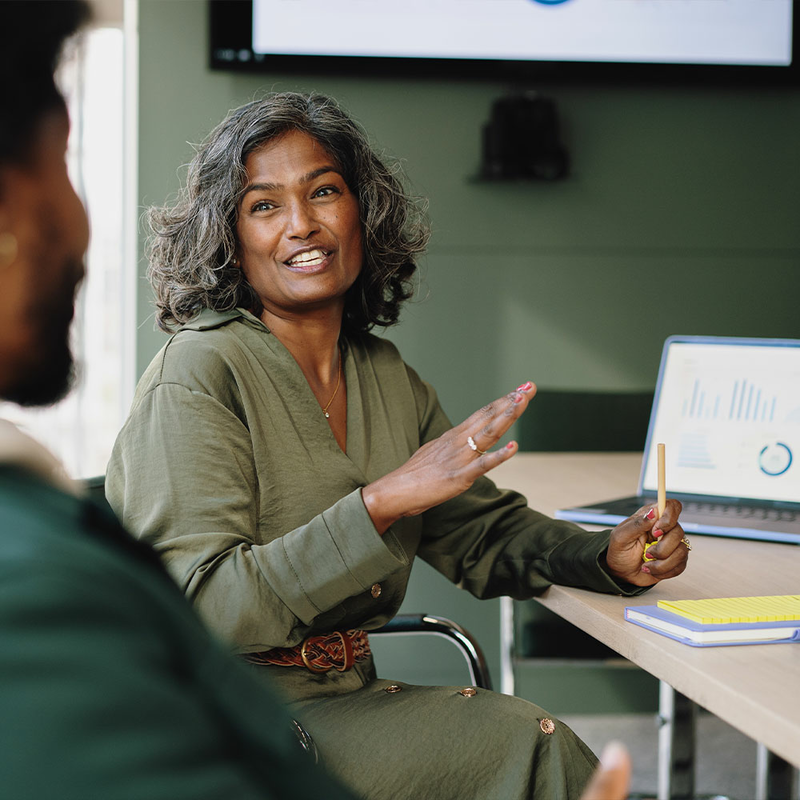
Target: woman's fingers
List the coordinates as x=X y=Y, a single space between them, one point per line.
x=490 y=459
x=666 y=558
x=483 y=429
x=670 y=555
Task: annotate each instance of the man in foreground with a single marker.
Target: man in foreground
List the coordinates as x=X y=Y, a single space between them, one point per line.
x=109 y=686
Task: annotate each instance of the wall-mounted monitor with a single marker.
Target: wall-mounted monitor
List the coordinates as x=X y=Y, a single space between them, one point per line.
x=510 y=39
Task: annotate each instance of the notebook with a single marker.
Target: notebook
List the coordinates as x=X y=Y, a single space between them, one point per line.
x=723 y=620
x=728 y=410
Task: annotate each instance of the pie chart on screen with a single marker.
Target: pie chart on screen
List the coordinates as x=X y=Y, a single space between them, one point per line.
x=775 y=458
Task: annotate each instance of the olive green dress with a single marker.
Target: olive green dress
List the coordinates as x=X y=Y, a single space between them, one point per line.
x=228 y=467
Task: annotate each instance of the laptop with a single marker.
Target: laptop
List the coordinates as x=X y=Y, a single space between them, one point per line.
x=728 y=411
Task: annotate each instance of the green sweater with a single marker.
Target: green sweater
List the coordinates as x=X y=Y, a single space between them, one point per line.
x=110 y=688
x=229 y=468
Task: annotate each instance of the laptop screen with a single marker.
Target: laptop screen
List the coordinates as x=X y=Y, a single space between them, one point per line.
x=728 y=410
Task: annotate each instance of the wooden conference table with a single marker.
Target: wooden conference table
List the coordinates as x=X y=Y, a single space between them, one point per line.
x=756 y=688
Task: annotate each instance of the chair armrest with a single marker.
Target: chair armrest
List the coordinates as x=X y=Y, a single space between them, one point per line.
x=306 y=742
x=452 y=631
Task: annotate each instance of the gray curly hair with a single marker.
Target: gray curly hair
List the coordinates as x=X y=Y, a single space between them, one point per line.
x=192 y=243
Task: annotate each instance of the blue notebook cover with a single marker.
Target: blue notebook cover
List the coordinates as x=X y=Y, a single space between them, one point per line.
x=682 y=629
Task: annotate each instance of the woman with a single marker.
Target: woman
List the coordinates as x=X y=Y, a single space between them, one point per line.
x=288 y=465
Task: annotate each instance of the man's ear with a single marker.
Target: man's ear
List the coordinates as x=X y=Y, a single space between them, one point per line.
x=8 y=241
x=8 y=248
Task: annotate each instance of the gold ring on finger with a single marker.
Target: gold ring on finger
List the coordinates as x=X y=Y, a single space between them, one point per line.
x=472 y=446
x=687 y=543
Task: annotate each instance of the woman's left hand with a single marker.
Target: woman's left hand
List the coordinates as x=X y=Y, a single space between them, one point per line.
x=626 y=548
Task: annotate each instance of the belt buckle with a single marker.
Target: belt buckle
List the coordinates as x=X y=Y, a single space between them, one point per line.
x=347 y=649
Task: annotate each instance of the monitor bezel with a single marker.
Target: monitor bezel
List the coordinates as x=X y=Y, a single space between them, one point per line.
x=230 y=29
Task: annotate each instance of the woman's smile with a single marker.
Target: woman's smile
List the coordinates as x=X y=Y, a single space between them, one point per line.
x=309 y=260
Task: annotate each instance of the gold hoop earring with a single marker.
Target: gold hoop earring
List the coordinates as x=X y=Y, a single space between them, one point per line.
x=8 y=249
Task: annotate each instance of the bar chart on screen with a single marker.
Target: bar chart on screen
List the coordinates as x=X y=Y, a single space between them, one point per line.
x=745 y=401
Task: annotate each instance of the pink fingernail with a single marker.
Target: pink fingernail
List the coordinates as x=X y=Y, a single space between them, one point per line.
x=646 y=569
x=525 y=386
x=510 y=446
x=518 y=398
x=651 y=514
x=657 y=532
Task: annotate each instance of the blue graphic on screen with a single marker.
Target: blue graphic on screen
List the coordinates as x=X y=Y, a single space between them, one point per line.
x=746 y=402
x=775 y=458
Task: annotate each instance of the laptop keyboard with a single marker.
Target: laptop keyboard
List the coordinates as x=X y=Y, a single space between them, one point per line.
x=736 y=511
x=694 y=508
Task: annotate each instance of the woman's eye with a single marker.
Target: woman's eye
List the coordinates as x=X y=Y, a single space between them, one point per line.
x=263 y=205
x=325 y=191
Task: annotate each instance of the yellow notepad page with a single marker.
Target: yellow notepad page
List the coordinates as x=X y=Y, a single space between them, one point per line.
x=721 y=610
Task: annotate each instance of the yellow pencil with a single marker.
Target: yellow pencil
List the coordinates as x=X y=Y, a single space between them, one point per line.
x=662 y=480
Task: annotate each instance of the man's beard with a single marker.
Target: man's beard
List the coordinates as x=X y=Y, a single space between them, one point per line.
x=49 y=383
x=49 y=371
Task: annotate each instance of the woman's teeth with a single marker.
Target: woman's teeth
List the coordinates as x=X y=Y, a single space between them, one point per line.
x=307 y=259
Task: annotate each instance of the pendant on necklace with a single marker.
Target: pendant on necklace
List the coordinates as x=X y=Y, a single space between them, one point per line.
x=333 y=396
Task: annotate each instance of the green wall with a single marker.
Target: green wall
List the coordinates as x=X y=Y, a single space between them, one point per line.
x=680 y=216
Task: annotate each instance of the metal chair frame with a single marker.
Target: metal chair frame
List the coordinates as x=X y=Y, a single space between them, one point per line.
x=413 y=624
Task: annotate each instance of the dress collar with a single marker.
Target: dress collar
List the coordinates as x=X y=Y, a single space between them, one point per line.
x=208 y=319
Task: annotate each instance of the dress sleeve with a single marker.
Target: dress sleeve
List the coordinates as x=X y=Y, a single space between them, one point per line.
x=489 y=542
x=182 y=477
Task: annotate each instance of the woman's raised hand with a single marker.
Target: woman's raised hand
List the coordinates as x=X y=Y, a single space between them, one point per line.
x=447 y=466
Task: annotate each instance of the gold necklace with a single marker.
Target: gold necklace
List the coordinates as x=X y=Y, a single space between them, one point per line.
x=335 y=391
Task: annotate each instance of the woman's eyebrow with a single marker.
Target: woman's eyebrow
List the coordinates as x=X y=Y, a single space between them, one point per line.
x=261 y=187
x=310 y=176
x=274 y=187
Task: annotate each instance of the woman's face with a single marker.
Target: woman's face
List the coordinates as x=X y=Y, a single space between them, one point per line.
x=298 y=229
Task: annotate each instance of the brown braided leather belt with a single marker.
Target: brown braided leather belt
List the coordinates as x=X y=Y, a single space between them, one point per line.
x=338 y=650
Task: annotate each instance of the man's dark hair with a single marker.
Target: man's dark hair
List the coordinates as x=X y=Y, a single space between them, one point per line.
x=32 y=35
